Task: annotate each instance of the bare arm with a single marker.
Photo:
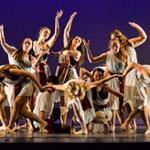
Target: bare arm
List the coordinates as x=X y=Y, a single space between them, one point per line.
x=102 y=81
x=7 y=67
x=118 y=94
x=96 y=59
x=84 y=72
x=75 y=54
x=64 y=74
x=56 y=87
x=7 y=48
x=56 y=54
x=25 y=73
x=137 y=41
x=36 y=60
x=67 y=29
x=53 y=39
x=138 y=67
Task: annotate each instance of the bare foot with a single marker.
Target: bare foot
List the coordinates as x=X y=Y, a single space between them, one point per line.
x=131 y=129
x=123 y=128
x=112 y=129
x=81 y=132
x=72 y=131
x=2 y=128
x=42 y=128
x=10 y=131
x=24 y=126
x=45 y=123
x=147 y=133
x=30 y=128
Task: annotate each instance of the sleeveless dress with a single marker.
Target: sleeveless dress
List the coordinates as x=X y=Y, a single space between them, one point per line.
x=114 y=65
x=134 y=89
x=25 y=83
x=130 y=80
x=142 y=98
x=72 y=71
x=43 y=68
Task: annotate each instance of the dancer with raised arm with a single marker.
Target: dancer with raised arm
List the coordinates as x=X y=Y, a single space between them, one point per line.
x=127 y=54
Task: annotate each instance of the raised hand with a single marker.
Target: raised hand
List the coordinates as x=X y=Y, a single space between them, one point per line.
x=86 y=44
x=73 y=15
x=134 y=25
x=59 y=14
x=1 y=27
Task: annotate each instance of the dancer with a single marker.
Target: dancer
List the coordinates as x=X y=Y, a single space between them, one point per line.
x=140 y=102
x=100 y=96
x=71 y=56
x=45 y=44
x=23 y=58
x=74 y=92
x=45 y=101
x=11 y=74
x=128 y=54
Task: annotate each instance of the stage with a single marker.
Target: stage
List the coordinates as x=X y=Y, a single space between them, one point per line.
x=23 y=136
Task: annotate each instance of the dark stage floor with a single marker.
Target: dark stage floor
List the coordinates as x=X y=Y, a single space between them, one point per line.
x=23 y=137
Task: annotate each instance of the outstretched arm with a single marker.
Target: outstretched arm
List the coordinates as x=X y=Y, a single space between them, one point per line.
x=92 y=59
x=118 y=94
x=102 y=81
x=138 y=67
x=137 y=41
x=7 y=48
x=53 y=39
x=25 y=73
x=68 y=29
x=56 y=87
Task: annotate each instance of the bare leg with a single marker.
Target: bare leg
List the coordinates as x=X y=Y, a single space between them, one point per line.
x=120 y=111
x=32 y=116
x=114 y=114
x=82 y=123
x=2 y=113
x=72 y=129
x=42 y=116
x=119 y=117
x=146 y=114
x=131 y=116
x=15 y=111
x=132 y=126
x=3 y=118
x=63 y=115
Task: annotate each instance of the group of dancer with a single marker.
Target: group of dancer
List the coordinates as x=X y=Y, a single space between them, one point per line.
x=117 y=88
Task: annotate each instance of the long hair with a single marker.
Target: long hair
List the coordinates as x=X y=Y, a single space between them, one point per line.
x=122 y=39
x=18 y=55
x=81 y=49
x=70 y=88
x=122 y=54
